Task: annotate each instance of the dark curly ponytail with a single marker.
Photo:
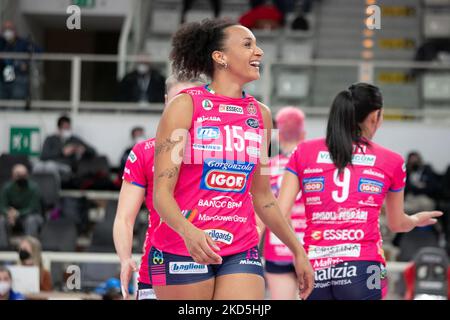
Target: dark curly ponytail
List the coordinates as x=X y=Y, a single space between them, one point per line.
x=193 y=45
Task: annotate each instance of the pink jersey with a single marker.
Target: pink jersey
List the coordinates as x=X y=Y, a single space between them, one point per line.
x=342 y=211
x=139 y=172
x=215 y=176
x=274 y=249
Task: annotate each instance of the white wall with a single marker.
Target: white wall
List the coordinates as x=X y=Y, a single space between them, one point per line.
x=110 y=133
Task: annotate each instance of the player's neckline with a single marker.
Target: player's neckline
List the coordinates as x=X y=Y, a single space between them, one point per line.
x=210 y=90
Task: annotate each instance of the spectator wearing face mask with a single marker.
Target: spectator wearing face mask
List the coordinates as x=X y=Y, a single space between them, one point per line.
x=137 y=135
x=20 y=202
x=66 y=149
x=144 y=84
x=14 y=79
x=6 y=291
x=421 y=184
x=30 y=255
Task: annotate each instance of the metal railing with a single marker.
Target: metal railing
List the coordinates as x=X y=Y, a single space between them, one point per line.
x=365 y=72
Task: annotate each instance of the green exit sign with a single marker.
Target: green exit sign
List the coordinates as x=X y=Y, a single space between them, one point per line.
x=84 y=3
x=25 y=140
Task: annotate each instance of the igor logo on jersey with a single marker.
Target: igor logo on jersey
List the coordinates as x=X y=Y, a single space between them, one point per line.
x=315 y=184
x=208 y=133
x=370 y=186
x=225 y=176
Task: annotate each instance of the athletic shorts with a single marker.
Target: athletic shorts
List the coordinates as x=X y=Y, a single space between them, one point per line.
x=145 y=292
x=350 y=280
x=172 y=269
x=279 y=267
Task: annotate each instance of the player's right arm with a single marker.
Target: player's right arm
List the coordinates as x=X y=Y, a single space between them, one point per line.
x=399 y=221
x=130 y=201
x=171 y=138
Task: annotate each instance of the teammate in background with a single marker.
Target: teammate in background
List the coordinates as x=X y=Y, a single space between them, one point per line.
x=279 y=269
x=344 y=180
x=206 y=246
x=137 y=187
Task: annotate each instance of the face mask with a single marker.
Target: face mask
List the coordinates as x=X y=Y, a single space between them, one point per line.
x=9 y=35
x=22 y=182
x=24 y=255
x=66 y=134
x=4 y=287
x=142 y=68
x=415 y=166
x=139 y=139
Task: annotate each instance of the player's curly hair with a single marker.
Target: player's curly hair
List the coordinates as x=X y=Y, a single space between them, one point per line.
x=193 y=45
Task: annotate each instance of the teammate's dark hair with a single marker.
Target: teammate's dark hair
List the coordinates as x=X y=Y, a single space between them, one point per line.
x=63 y=119
x=349 y=109
x=193 y=45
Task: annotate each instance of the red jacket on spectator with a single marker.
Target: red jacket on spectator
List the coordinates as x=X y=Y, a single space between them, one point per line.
x=260 y=16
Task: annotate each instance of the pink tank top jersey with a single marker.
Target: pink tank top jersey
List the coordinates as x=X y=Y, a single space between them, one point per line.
x=274 y=249
x=342 y=209
x=221 y=155
x=139 y=172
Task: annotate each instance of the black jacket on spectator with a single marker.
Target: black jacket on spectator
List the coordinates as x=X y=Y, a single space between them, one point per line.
x=53 y=150
x=428 y=177
x=130 y=91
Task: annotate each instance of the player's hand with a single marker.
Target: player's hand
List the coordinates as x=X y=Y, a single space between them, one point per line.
x=426 y=218
x=200 y=247
x=127 y=267
x=305 y=275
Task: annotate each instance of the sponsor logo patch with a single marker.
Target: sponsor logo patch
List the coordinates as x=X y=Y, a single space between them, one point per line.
x=208 y=133
x=315 y=184
x=207 y=147
x=132 y=157
x=229 y=108
x=251 y=109
x=370 y=186
x=212 y=119
x=207 y=104
x=252 y=123
x=340 y=250
x=225 y=176
x=190 y=214
x=219 y=235
x=187 y=268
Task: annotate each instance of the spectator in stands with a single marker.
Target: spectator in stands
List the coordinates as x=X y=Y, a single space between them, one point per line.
x=444 y=206
x=66 y=149
x=421 y=184
x=30 y=255
x=262 y=16
x=15 y=73
x=20 y=202
x=187 y=5
x=6 y=291
x=137 y=135
x=144 y=84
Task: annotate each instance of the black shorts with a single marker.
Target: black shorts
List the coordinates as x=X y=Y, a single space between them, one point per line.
x=279 y=267
x=172 y=269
